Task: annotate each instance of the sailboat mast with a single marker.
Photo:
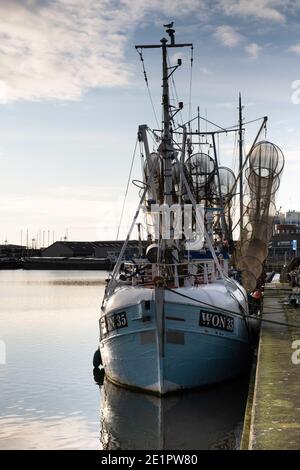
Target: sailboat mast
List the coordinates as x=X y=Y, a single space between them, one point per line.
x=241 y=164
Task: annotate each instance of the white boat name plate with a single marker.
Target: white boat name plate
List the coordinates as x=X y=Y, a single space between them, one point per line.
x=113 y=322
x=216 y=320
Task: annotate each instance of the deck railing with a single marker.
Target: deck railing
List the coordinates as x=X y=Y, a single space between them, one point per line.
x=192 y=272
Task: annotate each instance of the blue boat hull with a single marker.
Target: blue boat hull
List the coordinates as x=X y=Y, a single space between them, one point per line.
x=184 y=356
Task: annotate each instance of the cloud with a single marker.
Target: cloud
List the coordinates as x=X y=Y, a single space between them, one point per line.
x=180 y=55
x=60 y=49
x=228 y=36
x=205 y=71
x=90 y=213
x=260 y=9
x=295 y=48
x=253 y=50
x=226 y=105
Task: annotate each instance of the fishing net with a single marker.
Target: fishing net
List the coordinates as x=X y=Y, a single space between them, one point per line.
x=223 y=184
x=266 y=158
x=155 y=187
x=262 y=176
x=153 y=166
x=200 y=170
x=227 y=181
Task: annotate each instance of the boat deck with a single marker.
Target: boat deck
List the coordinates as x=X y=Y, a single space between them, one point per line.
x=275 y=404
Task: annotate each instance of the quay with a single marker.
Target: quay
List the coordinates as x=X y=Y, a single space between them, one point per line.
x=272 y=419
x=57 y=263
x=84 y=255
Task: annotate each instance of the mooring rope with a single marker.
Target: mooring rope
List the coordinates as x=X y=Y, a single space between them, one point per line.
x=243 y=315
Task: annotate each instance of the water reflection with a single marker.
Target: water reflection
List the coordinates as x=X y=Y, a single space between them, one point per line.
x=48 y=396
x=54 y=278
x=35 y=431
x=207 y=419
x=49 y=323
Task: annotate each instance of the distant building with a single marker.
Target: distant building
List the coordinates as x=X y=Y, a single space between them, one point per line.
x=283 y=247
x=69 y=249
x=97 y=249
x=288 y=228
x=12 y=251
x=285 y=242
x=279 y=218
x=111 y=249
x=292 y=217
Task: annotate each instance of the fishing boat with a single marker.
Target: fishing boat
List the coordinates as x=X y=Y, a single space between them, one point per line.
x=177 y=316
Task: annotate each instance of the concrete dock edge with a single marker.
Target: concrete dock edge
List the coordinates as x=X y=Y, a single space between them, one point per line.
x=272 y=418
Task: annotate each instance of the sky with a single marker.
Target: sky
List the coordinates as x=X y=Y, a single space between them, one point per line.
x=72 y=95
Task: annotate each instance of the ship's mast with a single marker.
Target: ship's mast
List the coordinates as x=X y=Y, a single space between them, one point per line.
x=167 y=147
x=241 y=164
x=167 y=150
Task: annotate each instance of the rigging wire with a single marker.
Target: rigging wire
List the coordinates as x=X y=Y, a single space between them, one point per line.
x=207 y=121
x=173 y=99
x=234 y=154
x=247 y=122
x=112 y=283
x=243 y=315
x=234 y=166
x=154 y=138
x=222 y=128
x=175 y=92
x=147 y=85
x=191 y=82
x=155 y=135
x=127 y=187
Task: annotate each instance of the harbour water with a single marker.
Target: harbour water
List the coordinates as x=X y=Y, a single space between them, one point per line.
x=50 y=398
